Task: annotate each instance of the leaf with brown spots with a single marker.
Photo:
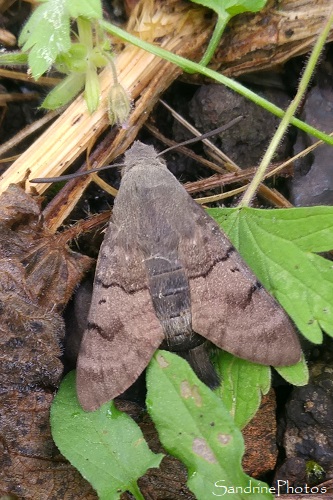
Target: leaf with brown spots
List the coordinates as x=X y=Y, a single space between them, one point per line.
x=203 y=436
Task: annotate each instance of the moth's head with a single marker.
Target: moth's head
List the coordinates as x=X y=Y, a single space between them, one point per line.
x=140 y=156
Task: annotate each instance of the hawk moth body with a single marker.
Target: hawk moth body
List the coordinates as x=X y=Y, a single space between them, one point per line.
x=166 y=274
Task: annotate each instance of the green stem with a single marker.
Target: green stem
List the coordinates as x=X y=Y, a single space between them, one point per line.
x=292 y=108
x=113 y=69
x=215 y=39
x=188 y=65
x=136 y=492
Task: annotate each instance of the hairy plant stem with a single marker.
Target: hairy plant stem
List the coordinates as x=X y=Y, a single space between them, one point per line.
x=287 y=119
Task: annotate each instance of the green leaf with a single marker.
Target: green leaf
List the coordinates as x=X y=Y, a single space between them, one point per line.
x=92 y=88
x=106 y=446
x=279 y=247
x=242 y=384
x=13 y=58
x=90 y=9
x=225 y=10
x=46 y=34
x=75 y=59
x=194 y=426
x=296 y=374
x=65 y=91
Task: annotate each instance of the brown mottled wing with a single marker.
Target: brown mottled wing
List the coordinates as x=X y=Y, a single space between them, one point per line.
x=229 y=306
x=122 y=333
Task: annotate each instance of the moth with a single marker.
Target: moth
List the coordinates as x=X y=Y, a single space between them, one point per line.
x=167 y=275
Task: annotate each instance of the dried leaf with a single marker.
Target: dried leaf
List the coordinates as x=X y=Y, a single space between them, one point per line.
x=29 y=335
x=52 y=269
x=31 y=467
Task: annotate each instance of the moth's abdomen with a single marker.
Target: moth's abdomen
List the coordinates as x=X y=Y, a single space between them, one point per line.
x=170 y=293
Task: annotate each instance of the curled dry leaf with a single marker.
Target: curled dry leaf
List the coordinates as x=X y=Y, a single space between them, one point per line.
x=52 y=270
x=38 y=273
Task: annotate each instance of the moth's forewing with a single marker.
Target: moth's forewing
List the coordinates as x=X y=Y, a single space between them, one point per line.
x=229 y=306
x=122 y=333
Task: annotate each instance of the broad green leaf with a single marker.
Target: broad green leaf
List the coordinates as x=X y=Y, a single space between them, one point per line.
x=106 y=445
x=194 y=425
x=242 y=384
x=279 y=246
x=65 y=91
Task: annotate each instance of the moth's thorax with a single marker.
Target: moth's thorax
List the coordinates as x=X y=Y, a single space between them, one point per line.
x=140 y=186
x=140 y=158
x=142 y=172
x=140 y=204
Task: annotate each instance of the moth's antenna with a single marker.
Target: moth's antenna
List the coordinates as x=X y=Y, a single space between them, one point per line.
x=218 y=130
x=96 y=170
x=68 y=177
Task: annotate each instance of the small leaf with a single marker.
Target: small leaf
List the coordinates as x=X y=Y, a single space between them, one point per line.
x=92 y=88
x=225 y=10
x=194 y=426
x=98 y=56
x=232 y=7
x=46 y=34
x=65 y=91
x=106 y=445
x=75 y=59
x=296 y=374
x=279 y=247
x=242 y=384
x=90 y=9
